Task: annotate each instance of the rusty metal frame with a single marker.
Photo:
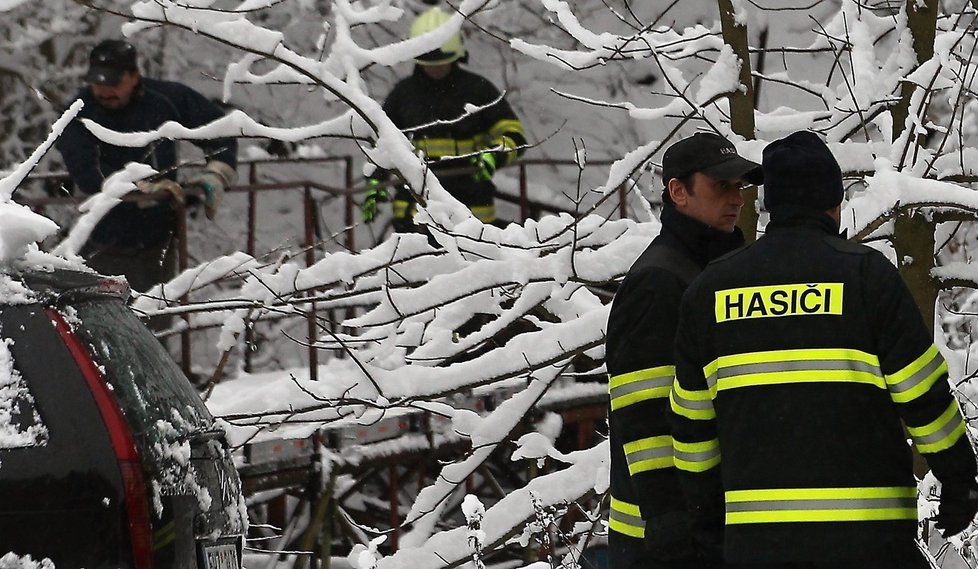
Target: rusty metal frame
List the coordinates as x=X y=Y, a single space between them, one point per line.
x=348 y=192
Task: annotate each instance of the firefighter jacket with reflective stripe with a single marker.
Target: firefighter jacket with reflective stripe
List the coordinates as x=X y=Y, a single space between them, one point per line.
x=639 y=357
x=797 y=358
x=90 y=161
x=457 y=115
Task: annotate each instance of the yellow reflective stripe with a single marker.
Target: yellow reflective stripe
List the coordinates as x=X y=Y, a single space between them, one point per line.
x=918 y=377
x=402 y=209
x=941 y=433
x=446 y=147
x=485 y=213
x=696 y=457
x=794 y=366
x=642 y=385
x=509 y=156
x=820 y=505
x=505 y=127
x=482 y=140
x=695 y=405
x=651 y=453
x=506 y=142
x=502 y=135
x=626 y=518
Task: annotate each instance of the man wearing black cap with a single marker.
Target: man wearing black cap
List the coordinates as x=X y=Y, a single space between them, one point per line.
x=796 y=359
x=703 y=177
x=135 y=238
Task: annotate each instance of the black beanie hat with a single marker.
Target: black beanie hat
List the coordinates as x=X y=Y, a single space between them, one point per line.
x=800 y=171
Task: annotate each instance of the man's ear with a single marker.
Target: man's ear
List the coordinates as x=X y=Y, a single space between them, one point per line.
x=836 y=214
x=677 y=192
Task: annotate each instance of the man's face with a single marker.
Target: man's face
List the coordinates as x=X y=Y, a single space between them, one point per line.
x=116 y=96
x=437 y=72
x=713 y=202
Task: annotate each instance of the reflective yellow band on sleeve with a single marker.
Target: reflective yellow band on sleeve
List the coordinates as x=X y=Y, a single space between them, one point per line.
x=502 y=134
x=484 y=213
x=642 y=385
x=820 y=505
x=508 y=153
x=438 y=148
x=626 y=518
x=696 y=457
x=506 y=127
x=652 y=453
x=403 y=209
x=917 y=377
x=779 y=367
x=941 y=433
x=695 y=405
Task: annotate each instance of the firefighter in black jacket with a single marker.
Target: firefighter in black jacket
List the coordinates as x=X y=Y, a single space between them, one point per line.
x=703 y=177
x=797 y=358
x=458 y=120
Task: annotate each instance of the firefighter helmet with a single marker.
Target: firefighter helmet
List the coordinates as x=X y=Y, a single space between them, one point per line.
x=451 y=50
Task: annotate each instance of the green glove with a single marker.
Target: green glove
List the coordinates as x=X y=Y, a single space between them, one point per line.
x=485 y=165
x=375 y=195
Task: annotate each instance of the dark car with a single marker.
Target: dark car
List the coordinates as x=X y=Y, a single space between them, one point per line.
x=108 y=457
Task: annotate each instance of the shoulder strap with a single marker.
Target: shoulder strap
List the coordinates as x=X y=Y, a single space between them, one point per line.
x=669 y=259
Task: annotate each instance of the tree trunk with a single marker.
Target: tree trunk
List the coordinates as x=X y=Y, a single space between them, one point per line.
x=741 y=105
x=914 y=234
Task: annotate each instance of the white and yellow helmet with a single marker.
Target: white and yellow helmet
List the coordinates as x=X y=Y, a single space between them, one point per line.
x=451 y=50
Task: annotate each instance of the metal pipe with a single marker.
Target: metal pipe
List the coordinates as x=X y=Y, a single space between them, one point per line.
x=182 y=263
x=394 y=501
x=524 y=195
x=310 y=236
x=350 y=232
x=249 y=334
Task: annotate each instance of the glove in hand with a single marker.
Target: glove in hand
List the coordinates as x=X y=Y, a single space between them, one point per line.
x=958 y=506
x=485 y=165
x=214 y=181
x=376 y=194
x=163 y=188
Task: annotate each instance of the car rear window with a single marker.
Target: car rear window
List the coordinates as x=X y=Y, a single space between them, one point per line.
x=20 y=423
x=150 y=386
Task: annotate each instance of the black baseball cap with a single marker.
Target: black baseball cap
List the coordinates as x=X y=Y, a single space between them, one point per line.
x=109 y=60
x=710 y=154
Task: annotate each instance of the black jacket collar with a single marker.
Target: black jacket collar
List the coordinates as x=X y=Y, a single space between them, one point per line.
x=794 y=217
x=698 y=240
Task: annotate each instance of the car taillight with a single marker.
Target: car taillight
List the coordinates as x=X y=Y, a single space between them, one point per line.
x=134 y=486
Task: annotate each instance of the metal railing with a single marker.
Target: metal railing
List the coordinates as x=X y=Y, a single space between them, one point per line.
x=348 y=192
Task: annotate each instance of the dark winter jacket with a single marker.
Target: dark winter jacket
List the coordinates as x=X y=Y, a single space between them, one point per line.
x=797 y=358
x=640 y=361
x=90 y=161
x=429 y=112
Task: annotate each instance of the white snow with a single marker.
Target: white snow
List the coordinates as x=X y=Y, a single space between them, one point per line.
x=408 y=299
x=17 y=431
